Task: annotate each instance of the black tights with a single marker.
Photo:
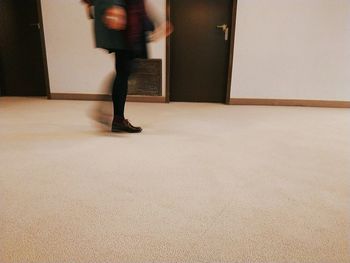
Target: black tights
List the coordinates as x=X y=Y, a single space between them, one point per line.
x=120 y=86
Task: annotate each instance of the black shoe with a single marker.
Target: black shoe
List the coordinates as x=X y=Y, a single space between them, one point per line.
x=125 y=126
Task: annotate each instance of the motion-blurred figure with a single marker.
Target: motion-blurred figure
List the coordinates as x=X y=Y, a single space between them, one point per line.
x=121 y=27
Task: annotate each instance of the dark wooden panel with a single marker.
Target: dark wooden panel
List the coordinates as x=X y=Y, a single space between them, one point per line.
x=2 y=79
x=21 y=49
x=199 y=52
x=146 y=78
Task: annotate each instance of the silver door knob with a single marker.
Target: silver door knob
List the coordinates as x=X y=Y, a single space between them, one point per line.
x=224 y=28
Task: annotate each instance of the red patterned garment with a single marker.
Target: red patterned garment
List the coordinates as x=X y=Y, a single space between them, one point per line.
x=138 y=24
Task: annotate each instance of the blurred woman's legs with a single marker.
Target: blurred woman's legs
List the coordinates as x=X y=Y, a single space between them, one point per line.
x=120 y=85
x=123 y=64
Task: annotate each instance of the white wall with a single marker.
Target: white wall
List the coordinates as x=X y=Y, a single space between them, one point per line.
x=284 y=49
x=75 y=66
x=292 y=49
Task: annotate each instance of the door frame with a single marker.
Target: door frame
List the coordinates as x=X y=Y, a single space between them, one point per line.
x=43 y=50
x=231 y=53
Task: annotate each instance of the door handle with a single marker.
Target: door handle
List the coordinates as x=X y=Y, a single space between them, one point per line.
x=225 y=29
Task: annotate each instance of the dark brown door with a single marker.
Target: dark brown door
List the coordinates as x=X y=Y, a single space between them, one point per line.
x=200 y=49
x=21 y=56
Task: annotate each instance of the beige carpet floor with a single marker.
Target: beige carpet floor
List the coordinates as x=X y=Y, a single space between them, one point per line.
x=202 y=183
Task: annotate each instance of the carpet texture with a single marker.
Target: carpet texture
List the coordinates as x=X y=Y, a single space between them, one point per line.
x=202 y=183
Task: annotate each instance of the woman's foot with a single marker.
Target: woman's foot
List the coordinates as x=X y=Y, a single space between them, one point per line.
x=123 y=125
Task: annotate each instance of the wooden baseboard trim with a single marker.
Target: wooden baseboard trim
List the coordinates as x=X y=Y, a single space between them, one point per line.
x=76 y=96
x=151 y=99
x=233 y=101
x=285 y=102
x=103 y=97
